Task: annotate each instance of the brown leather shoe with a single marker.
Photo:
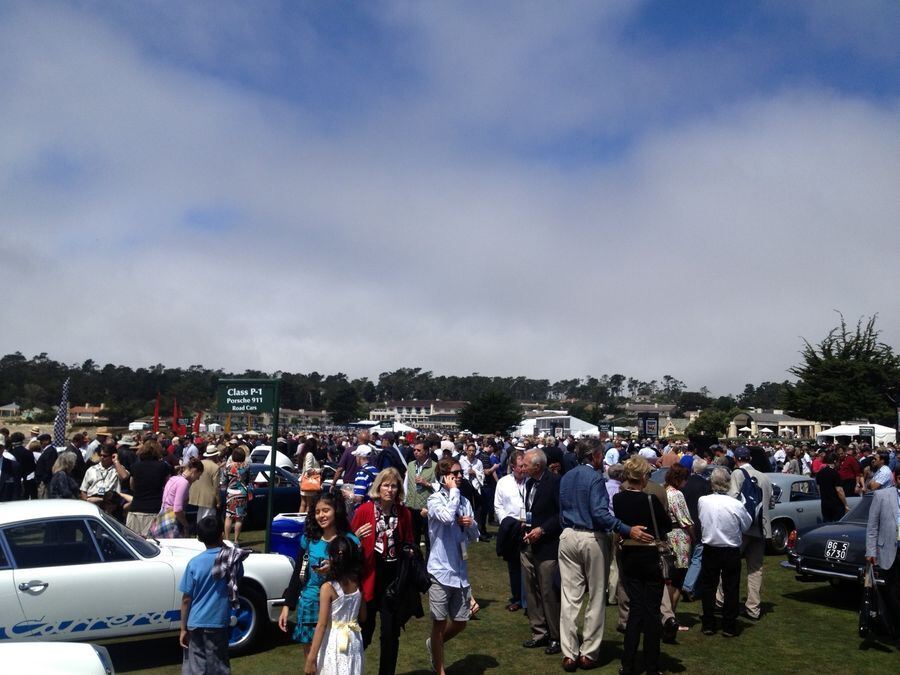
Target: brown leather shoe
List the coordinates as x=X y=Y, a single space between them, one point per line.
x=586 y=664
x=569 y=665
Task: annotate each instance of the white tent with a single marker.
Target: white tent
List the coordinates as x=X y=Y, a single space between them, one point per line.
x=526 y=428
x=262 y=454
x=577 y=427
x=882 y=434
x=396 y=427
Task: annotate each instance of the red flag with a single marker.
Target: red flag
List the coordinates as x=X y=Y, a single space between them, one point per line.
x=197 y=421
x=176 y=427
x=156 y=415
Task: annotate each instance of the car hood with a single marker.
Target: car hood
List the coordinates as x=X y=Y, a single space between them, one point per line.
x=272 y=570
x=181 y=547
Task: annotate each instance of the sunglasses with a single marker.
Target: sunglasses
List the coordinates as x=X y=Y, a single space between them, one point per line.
x=458 y=472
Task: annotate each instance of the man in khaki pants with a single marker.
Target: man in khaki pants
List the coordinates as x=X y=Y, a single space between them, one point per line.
x=753 y=549
x=204 y=492
x=584 y=556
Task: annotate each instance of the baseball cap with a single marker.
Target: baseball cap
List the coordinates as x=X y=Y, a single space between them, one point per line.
x=362 y=451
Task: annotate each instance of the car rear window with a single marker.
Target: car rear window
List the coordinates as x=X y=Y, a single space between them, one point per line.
x=859 y=513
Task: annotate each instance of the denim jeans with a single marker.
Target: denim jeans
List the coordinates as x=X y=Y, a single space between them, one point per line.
x=693 y=573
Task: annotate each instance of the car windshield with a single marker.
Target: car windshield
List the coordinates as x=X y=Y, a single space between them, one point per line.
x=145 y=548
x=859 y=513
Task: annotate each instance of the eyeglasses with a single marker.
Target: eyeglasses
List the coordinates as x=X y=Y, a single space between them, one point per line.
x=458 y=472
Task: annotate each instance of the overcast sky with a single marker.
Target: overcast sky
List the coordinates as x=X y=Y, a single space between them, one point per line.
x=525 y=188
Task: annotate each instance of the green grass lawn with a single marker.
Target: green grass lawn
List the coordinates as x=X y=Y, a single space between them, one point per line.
x=806 y=628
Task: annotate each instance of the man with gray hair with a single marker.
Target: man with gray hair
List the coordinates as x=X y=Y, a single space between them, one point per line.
x=723 y=521
x=540 y=546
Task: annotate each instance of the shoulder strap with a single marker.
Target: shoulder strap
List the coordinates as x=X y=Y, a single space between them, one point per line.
x=653 y=516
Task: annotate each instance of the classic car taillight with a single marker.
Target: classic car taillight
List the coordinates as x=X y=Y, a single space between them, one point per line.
x=792 y=540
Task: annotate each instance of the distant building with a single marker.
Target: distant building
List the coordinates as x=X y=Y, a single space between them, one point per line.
x=420 y=413
x=10 y=410
x=676 y=426
x=86 y=414
x=757 y=422
x=661 y=408
x=298 y=418
x=287 y=418
x=31 y=414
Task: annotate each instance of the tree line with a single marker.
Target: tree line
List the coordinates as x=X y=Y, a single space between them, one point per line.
x=131 y=392
x=850 y=374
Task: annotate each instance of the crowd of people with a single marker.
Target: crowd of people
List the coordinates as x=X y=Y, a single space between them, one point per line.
x=391 y=517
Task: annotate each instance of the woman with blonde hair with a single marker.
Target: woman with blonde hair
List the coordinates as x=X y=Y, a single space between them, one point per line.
x=384 y=526
x=640 y=571
x=62 y=485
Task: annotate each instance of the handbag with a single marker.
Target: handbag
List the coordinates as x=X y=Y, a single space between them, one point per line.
x=165 y=525
x=873 y=611
x=311 y=482
x=666 y=556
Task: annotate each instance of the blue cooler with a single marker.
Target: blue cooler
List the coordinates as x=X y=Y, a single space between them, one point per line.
x=286 y=531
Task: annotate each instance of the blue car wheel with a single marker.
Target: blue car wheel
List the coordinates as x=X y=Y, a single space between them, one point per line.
x=247 y=620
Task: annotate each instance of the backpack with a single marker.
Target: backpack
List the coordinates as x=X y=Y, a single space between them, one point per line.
x=751 y=496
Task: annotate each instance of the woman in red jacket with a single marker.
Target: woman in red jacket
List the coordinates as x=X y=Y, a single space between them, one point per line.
x=383 y=526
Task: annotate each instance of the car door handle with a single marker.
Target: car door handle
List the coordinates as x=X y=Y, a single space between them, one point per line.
x=33 y=585
x=799 y=509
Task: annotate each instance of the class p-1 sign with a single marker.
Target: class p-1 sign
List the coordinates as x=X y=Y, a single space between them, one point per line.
x=251 y=397
x=247 y=397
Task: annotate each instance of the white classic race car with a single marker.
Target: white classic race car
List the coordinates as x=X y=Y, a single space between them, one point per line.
x=70 y=572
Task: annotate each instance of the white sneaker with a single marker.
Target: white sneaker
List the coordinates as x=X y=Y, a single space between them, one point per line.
x=430 y=655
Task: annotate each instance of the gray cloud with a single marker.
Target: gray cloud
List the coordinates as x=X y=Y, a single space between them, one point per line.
x=705 y=251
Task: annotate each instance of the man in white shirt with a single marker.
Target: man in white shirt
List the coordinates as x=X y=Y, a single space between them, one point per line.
x=103 y=477
x=190 y=451
x=780 y=457
x=881 y=477
x=723 y=521
x=509 y=502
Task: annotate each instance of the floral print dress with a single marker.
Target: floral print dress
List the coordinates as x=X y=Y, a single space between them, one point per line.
x=679 y=539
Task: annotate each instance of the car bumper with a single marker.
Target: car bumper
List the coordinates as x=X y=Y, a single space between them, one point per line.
x=273 y=607
x=817 y=567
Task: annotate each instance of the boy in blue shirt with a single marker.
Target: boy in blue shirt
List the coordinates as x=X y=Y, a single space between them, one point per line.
x=209 y=585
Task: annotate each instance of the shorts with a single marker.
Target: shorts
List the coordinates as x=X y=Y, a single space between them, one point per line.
x=207 y=652
x=448 y=602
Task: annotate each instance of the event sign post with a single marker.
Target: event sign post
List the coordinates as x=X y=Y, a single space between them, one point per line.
x=251 y=397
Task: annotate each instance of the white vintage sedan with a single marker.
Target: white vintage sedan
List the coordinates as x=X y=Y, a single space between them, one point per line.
x=70 y=572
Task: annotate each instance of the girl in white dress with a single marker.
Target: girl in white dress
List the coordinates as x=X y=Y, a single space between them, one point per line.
x=337 y=645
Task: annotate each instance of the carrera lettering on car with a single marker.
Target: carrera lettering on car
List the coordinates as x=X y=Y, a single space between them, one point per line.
x=39 y=628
